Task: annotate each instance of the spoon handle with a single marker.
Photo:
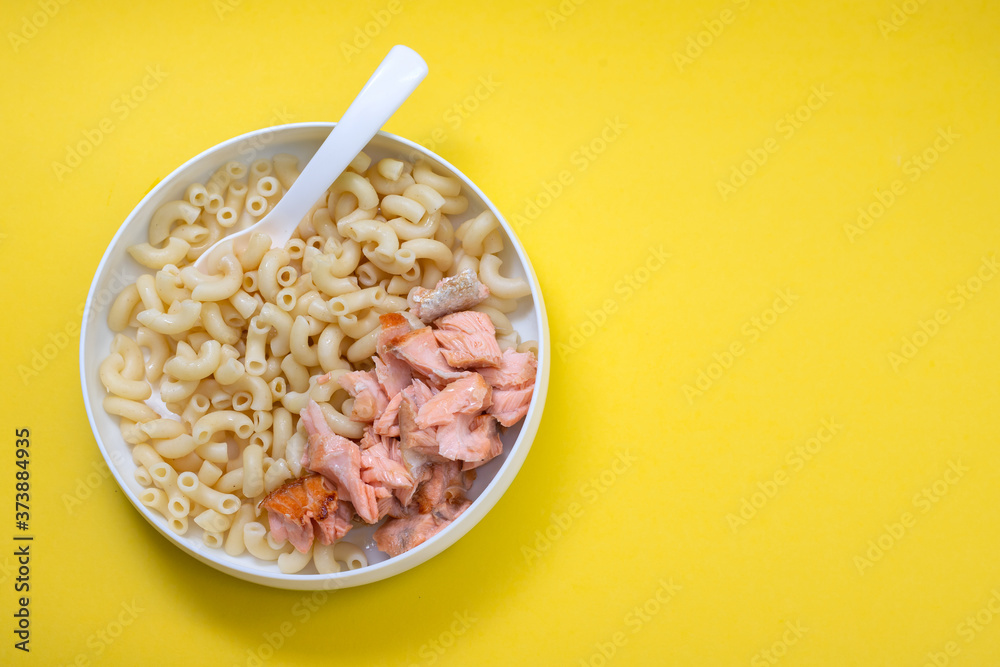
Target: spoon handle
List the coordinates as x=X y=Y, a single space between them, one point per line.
x=394 y=80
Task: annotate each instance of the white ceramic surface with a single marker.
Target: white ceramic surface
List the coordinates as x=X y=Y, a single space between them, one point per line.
x=117 y=269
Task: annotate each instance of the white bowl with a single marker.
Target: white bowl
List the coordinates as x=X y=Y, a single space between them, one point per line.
x=117 y=269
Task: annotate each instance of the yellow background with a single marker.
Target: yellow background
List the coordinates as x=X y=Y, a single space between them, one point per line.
x=892 y=76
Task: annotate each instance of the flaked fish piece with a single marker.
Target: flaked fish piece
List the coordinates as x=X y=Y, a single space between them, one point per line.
x=485 y=426
x=417 y=447
x=468 y=339
x=397 y=536
x=297 y=508
x=369 y=399
x=393 y=325
x=378 y=466
x=336 y=526
x=421 y=392
x=467 y=395
x=387 y=423
x=459 y=292
x=419 y=349
x=511 y=405
x=447 y=485
x=392 y=372
x=339 y=460
x=393 y=379
x=468 y=438
x=391 y=507
x=517 y=369
x=413 y=438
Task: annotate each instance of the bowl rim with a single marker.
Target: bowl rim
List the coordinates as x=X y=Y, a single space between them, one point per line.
x=489 y=495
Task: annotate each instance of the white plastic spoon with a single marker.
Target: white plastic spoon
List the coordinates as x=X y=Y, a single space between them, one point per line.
x=395 y=79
